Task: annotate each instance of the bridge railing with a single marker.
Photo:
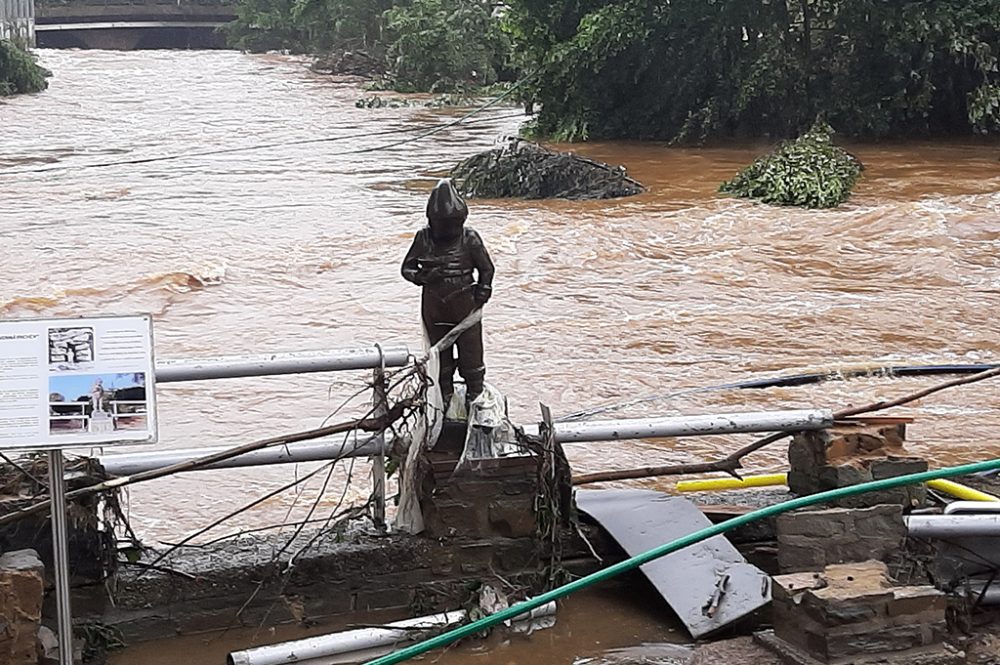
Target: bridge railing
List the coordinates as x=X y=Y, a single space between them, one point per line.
x=17 y=22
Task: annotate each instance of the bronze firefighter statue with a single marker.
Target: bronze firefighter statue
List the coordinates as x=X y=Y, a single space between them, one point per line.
x=442 y=259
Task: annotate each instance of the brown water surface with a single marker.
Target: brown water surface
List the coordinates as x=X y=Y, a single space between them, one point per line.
x=297 y=246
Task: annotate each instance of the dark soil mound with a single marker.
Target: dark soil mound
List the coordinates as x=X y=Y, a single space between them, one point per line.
x=521 y=169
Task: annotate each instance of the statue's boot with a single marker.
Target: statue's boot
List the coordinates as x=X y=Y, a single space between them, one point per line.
x=474 y=380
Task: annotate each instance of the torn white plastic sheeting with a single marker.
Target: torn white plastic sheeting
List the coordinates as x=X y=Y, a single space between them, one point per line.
x=709 y=584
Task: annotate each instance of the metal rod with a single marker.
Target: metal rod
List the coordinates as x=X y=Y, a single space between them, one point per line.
x=953 y=526
x=361 y=640
x=60 y=557
x=972 y=507
x=126 y=464
x=334 y=447
x=380 y=400
x=281 y=363
x=651 y=428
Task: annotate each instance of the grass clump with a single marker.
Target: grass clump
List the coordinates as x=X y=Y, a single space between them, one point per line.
x=810 y=172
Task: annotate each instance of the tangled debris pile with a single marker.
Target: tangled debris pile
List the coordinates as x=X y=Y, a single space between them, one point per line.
x=521 y=169
x=810 y=172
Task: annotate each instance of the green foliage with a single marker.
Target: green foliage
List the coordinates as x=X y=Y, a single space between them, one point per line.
x=696 y=70
x=19 y=73
x=445 y=45
x=810 y=172
x=307 y=26
x=427 y=45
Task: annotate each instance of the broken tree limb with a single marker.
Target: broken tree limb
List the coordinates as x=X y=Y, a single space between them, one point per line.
x=732 y=462
x=365 y=424
x=728 y=464
x=912 y=397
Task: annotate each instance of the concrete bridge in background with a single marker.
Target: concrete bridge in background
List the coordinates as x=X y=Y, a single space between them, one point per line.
x=17 y=21
x=132 y=24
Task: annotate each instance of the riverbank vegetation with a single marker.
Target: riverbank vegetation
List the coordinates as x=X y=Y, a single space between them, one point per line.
x=681 y=71
x=810 y=172
x=414 y=45
x=19 y=73
x=694 y=70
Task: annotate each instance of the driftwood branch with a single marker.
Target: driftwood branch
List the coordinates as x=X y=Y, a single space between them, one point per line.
x=365 y=424
x=912 y=397
x=734 y=461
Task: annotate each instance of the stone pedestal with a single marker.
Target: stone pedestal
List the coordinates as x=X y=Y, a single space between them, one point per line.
x=821 y=460
x=101 y=423
x=814 y=539
x=496 y=500
x=852 y=614
x=21 y=589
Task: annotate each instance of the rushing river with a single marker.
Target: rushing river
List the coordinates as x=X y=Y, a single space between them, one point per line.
x=296 y=246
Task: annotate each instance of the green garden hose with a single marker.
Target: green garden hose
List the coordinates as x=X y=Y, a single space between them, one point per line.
x=657 y=552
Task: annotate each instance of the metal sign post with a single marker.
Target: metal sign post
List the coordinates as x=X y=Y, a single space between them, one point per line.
x=60 y=556
x=69 y=383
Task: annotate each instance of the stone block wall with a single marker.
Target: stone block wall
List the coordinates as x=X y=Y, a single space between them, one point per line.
x=21 y=590
x=814 y=539
x=821 y=460
x=851 y=613
x=480 y=525
x=495 y=500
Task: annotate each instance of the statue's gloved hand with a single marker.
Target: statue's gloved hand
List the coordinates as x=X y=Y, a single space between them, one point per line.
x=481 y=293
x=427 y=275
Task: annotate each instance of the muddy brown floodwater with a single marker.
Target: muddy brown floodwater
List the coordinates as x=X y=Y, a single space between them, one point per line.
x=296 y=247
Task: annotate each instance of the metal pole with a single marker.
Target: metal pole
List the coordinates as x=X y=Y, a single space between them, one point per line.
x=126 y=464
x=336 y=447
x=381 y=407
x=953 y=526
x=651 y=428
x=282 y=363
x=60 y=557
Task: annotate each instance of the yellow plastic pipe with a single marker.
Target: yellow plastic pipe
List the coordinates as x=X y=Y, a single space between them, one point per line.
x=960 y=491
x=731 y=483
x=948 y=487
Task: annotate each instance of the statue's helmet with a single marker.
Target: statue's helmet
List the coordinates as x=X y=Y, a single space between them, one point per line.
x=446 y=210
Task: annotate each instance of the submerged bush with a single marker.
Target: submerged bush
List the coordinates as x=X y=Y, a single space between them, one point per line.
x=810 y=172
x=19 y=72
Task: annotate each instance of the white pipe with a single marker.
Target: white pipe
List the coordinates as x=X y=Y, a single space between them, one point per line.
x=953 y=526
x=971 y=507
x=327 y=448
x=726 y=423
x=125 y=464
x=281 y=363
x=362 y=639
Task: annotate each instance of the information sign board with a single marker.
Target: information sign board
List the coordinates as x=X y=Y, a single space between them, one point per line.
x=67 y=383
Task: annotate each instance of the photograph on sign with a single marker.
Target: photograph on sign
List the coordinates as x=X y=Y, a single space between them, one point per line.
x=76 y=382
x=97 y=403
x=71 y=348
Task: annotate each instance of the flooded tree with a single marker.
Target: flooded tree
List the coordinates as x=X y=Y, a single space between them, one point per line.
x=421 y=45
x=691 y=70
x=19 y=73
